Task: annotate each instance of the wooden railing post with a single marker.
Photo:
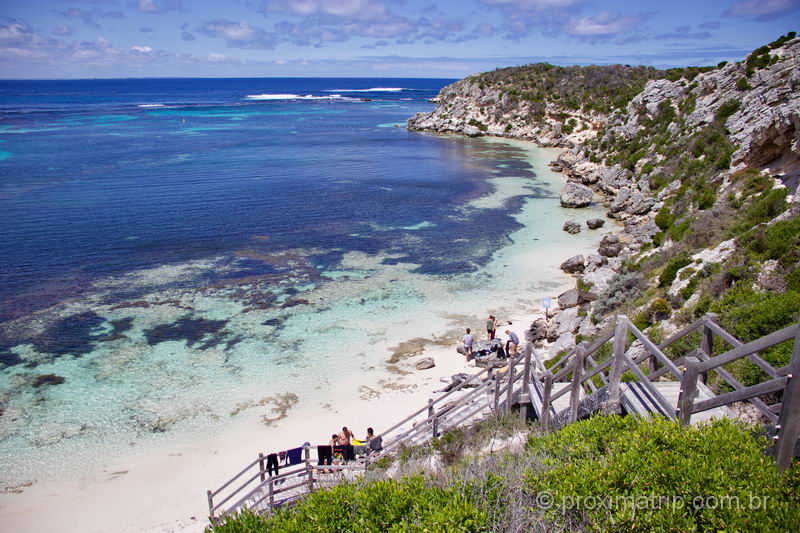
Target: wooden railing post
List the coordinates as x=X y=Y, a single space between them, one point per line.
x=261 y=466
x=577 y=386
x=688 y=390
x=707 y=341
x=526 y=380
x=546 y=393
x=435 y=426
x=788 y=427
x=271 y=494
x=211 y=506
x=309 y=469
x=430 y=407
x=620 y=338
x=510 y=392
x=496 y=384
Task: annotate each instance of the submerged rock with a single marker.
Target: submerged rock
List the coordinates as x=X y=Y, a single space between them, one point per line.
x=48 y=379
x=594 y=223
x=572 y=226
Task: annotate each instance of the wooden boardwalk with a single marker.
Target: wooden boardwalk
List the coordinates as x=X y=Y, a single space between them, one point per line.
x=575 y=387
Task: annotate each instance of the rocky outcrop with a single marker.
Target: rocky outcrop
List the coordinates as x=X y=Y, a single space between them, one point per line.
x=573 y=264
x=574 y=297
x=595 y=223
x=610 y=246
x=576 y=195
x=572 y=226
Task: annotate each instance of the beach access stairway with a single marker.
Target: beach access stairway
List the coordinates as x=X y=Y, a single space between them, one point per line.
x=622 y=372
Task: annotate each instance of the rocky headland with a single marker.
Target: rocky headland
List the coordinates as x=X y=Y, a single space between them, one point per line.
x=699 y=167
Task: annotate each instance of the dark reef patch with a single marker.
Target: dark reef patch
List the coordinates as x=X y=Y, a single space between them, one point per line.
x=47 y=379
x=70 y=335
x=9 y=358
x=192 y=330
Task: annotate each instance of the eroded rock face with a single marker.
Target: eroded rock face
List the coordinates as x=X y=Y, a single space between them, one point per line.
x=537 y=332
x=576 y=195
x=572 y=226
x=573 y=264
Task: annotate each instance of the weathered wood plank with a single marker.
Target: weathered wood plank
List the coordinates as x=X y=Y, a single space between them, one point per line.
x=620 y=337
x=789 y=422
x=653 y=349
x=688 y=390
x=733 y=341
x=758 y=345
x=741 y=394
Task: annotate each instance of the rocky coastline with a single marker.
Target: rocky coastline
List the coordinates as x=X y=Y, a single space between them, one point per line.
x=749 y=111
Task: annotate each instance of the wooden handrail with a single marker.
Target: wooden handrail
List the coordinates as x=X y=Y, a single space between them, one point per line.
x=653 y=349
x=650 y=388
x=733 y=341
x=757 y=345
x=741 y=394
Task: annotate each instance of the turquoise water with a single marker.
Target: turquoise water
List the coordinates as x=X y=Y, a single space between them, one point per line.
x=173 y=264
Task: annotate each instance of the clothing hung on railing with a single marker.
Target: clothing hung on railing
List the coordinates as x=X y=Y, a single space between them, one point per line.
x=272 y=464
x=325 y=455
x=295 y=456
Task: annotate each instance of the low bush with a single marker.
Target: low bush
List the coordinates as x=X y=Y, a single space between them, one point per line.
x=633 y=474
x=670 y=271
x=411 y=504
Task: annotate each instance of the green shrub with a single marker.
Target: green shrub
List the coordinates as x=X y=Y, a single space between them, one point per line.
x=742 y=84
x=726 y=110
x=478 y=124
x=778 y=241
x=410 y=504
x=636 y=474
x=659 y=310
x=664 y=218
x=671 y=269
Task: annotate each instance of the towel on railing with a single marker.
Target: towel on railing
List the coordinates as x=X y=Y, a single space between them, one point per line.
x=272 y=464
x=295 y=456
x=325 y=455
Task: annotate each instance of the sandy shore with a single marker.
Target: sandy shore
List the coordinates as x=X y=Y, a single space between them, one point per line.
x=163 y=488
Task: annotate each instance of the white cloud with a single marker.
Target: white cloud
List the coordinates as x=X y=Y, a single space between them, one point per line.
x=217 y=57
x=239 y=34
x=605 y=23
x=762 y=9
x=142 y=49
x=349 y=9
x=531 y=4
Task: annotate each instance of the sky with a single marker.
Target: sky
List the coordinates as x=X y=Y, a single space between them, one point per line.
x=372 y=38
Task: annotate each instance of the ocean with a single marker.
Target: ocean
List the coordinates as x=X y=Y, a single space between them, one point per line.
x=179 y=252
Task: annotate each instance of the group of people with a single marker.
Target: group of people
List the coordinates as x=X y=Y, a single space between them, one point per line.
x=512 y=343
x=343 y=446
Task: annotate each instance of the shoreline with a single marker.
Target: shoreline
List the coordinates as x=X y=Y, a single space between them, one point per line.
x=138 y=479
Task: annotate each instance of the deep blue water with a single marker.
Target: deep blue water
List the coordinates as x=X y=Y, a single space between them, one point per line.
x=102 y=177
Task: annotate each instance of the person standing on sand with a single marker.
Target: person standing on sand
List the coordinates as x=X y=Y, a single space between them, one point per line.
x=491 y=326
x=513 y=342
x=468 y=340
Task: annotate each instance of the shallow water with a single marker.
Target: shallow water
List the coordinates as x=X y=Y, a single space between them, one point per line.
x=182 y=275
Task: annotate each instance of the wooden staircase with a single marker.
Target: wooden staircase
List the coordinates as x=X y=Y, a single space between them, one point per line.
x=587 y=380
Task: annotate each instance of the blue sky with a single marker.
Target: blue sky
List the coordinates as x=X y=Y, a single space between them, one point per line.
x=372 y=38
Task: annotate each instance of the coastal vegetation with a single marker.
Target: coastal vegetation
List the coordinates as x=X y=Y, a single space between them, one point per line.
x=604 y=474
